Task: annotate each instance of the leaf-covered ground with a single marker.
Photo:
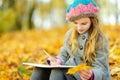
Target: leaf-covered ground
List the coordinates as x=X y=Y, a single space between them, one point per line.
x=25 y=46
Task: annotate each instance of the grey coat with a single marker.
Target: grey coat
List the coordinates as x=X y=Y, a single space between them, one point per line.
x=100 y=68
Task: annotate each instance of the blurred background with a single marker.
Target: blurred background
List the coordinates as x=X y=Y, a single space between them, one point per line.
x=26 y=26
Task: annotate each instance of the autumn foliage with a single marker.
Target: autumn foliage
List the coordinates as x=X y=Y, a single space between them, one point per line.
x=24 y=46
x=78 y=68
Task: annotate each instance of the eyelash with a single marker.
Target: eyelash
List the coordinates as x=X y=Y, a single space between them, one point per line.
x=84 y=23
x=75 y=22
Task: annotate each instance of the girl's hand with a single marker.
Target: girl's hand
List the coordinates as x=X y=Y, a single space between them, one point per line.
x=54 y=61
x=85 y=74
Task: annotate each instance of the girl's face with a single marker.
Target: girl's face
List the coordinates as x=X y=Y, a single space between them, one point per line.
x=82 y=25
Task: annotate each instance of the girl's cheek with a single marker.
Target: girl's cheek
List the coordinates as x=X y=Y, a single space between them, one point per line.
x=77 y=28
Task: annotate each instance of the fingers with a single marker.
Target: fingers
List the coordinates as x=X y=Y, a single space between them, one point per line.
x=53 y=61
x=85 y=74
x=83 y=77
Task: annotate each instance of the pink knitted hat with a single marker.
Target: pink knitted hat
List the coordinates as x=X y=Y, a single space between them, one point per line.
x=81 y=8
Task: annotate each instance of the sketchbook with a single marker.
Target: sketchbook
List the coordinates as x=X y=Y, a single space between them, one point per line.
x=47 y=66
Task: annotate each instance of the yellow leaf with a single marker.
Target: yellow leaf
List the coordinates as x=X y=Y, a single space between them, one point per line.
x=78 y=68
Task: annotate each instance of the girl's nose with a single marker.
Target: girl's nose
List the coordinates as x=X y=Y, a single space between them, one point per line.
x=80 y=27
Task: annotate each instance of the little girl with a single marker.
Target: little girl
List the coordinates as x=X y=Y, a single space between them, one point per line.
x=84 y=43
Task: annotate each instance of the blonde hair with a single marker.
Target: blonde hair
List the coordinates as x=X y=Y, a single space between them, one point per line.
x=94 y=32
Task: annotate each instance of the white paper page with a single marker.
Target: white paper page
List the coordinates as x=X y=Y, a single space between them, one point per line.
x=48 y=66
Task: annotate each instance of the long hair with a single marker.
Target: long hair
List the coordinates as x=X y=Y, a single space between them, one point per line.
x=92 y=43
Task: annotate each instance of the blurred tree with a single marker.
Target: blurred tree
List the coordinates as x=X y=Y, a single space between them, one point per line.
x=7 y=15
x=7 y=4
x=116 y=11
x=24 y=9
x=7 y=20
x=18 y=11
x=59 y=12
x=58 y=4
x=109 y=10
x=52 y=13
x=44 y=9
x=18 y=14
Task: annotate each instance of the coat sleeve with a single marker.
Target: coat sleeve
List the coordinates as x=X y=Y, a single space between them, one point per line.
x=101 y=66
x=64 y=55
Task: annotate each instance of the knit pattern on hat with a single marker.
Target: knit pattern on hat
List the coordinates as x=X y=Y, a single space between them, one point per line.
x=81 y=8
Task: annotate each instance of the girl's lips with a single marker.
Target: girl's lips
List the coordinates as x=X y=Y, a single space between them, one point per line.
x=81 y=30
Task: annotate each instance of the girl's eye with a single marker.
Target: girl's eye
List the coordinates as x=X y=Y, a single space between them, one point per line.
x=84 y=23
x=75 y=22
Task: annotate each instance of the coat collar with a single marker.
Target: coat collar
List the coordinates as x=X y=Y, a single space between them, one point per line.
x=84 y=34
